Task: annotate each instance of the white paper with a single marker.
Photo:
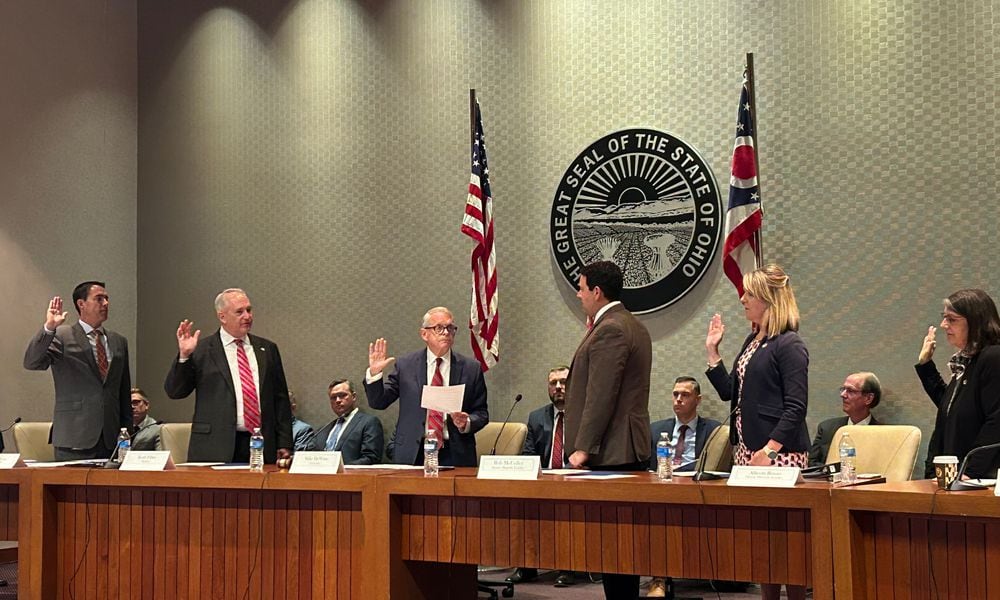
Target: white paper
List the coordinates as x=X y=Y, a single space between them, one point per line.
x=387 y=466
x=561 y=471
x=445 y=398
x=317 y=463
x=773 y=477
x=521 y=468
x=602 y=476
x=225 y=467
x=9 y=461
x=92 y=462
x=199 y=464
x=147 y=460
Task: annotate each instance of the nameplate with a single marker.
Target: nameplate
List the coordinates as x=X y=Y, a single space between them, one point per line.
x=774 y=477
x=9 y=461
x=317 y=463
x=509 y=467
x=147 y=460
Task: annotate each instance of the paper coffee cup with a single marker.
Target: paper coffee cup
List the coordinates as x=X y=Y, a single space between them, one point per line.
x=945 y=470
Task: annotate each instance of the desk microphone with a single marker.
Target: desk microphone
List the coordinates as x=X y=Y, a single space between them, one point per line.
x=700 y=473
x=517 y=399
x=6 y=429
x=960 y=486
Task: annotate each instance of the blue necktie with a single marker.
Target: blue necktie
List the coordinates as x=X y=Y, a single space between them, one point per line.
x=331 y=442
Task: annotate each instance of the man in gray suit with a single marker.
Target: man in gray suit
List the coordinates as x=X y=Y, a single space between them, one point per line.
x=240 y=382
x=860 y=393
x=356 y=435
x=91 y=374
x=147 y=429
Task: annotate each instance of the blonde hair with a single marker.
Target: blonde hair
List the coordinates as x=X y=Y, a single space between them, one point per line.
x=771 y=285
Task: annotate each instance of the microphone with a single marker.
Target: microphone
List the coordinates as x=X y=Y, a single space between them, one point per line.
x=961 y=486
x=700 y=474
x=6 y=429
x=517 y=399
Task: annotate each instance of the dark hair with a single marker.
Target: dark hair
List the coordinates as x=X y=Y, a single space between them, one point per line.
x=981 y=315
x=689 y=379
x=337 y=382
x=605 y=275
x=558 y=368
x=82 y=292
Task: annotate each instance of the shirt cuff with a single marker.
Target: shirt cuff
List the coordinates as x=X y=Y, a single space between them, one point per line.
x=369 y=378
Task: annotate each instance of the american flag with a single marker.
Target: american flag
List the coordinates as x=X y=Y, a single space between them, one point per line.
x=484 y=318
x=741 y=252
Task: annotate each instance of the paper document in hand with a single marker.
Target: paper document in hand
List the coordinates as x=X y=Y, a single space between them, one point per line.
x=445 y=398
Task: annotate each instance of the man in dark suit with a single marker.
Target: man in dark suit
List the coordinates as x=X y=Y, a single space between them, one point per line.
x=860 y=393
x=607 y=398
x=356 y=435
x=546 y=439
x=240 y=385
x=91 y=375
x=436 y=364
x=688 y=431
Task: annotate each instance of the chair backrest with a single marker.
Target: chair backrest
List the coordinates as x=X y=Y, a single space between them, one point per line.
x=887 y=449
x=176 y=437
x=511 y=442
x=718 y=454
x=32 y=441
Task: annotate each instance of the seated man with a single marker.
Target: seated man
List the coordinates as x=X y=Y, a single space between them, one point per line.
x=302 y=432
x=860 y=393
x=358 y=436
x=688 y=432
x=147 y=429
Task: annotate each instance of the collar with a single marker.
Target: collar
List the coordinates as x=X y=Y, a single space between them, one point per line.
x=692 y=424
x=228 y=339
x=348 y=416
x=864 y=421
x=87 y=328
x=605 y=309
x=431 y=358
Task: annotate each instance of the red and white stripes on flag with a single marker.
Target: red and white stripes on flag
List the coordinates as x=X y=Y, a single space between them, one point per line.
x=484 y=317
x=741 y=252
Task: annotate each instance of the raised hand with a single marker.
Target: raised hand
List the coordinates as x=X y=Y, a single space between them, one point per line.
x=927 y=349
x=716 y=331
x=186 y=340
x=377 y=359
x=54 y=316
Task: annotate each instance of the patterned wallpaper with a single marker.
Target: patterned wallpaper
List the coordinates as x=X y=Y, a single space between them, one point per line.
x=316 y=154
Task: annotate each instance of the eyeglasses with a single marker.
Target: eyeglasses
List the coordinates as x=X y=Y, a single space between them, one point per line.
x=951 y=319
x=844 y=388
x=443 y=329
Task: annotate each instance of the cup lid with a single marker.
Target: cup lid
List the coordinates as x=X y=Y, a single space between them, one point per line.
x=946 y=459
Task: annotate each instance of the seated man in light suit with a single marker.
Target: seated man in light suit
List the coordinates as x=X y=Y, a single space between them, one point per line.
x=356 y=435
x=434 y=365
x=147 y=429
x=860 y=393
x=302 y=432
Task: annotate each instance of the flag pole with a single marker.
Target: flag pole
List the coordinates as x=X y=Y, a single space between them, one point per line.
x=752 y=89
x=472 y=115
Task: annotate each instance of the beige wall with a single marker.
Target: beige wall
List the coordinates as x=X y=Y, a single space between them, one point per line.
x=67 y=174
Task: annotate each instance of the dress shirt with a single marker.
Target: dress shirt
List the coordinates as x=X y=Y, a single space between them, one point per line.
x=864 y=421
x=605 y=309
x=93 y=340
x=690 y=442
x=343 y=427
x=229 y=345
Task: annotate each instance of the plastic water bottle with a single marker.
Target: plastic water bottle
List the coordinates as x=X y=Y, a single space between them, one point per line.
x=848 y=456
x=123 y=446
x=431 y=446
x=256 y=450
x=664 y=460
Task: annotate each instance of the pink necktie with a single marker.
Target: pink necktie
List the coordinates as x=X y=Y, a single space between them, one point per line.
x=435 y=418
x=251 y=408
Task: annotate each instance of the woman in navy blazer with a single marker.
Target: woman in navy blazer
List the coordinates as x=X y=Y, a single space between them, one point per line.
x=769 y=382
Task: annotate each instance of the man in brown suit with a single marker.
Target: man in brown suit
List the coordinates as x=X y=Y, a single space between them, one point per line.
x=607 y=398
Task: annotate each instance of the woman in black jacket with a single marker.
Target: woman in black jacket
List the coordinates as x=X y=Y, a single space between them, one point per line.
x=968 y=405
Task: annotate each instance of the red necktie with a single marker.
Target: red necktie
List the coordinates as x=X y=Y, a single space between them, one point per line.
x=251 y=408
x=557 y=443
x=102 y=354
x=679 y=449
x=435 y=418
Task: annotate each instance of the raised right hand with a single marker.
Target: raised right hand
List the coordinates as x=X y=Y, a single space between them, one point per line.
x=54 y=316
x=716 y=331
x=927 y=349
x=377 y=359
x=186 y=340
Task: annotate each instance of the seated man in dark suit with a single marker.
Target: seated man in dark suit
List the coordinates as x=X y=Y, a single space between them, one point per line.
x=147 y=429
x=688 y=432
x=860 y=393
x=435 y=364
x=356 y=435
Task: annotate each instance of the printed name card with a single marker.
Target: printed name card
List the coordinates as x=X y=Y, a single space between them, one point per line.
x=509 y=467
x=9 y=461
x=774 y=477
x=147 y=460
x=317 y=463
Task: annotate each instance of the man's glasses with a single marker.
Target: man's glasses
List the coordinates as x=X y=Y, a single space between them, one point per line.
x=443 y=329
x=849 y=390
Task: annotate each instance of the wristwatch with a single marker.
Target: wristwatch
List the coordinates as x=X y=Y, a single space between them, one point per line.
x=768 y=452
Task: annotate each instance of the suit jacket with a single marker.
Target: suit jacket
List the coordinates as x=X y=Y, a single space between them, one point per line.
x=87 y=410
x=302 y=434
x=824 y=437
x=147 y=435
x=406 y=384
x=607 y=395
x=775 y=393
x=702 y=431
x=360 y=442
x=213 y=426
x=974 y=418
x=538 y=442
